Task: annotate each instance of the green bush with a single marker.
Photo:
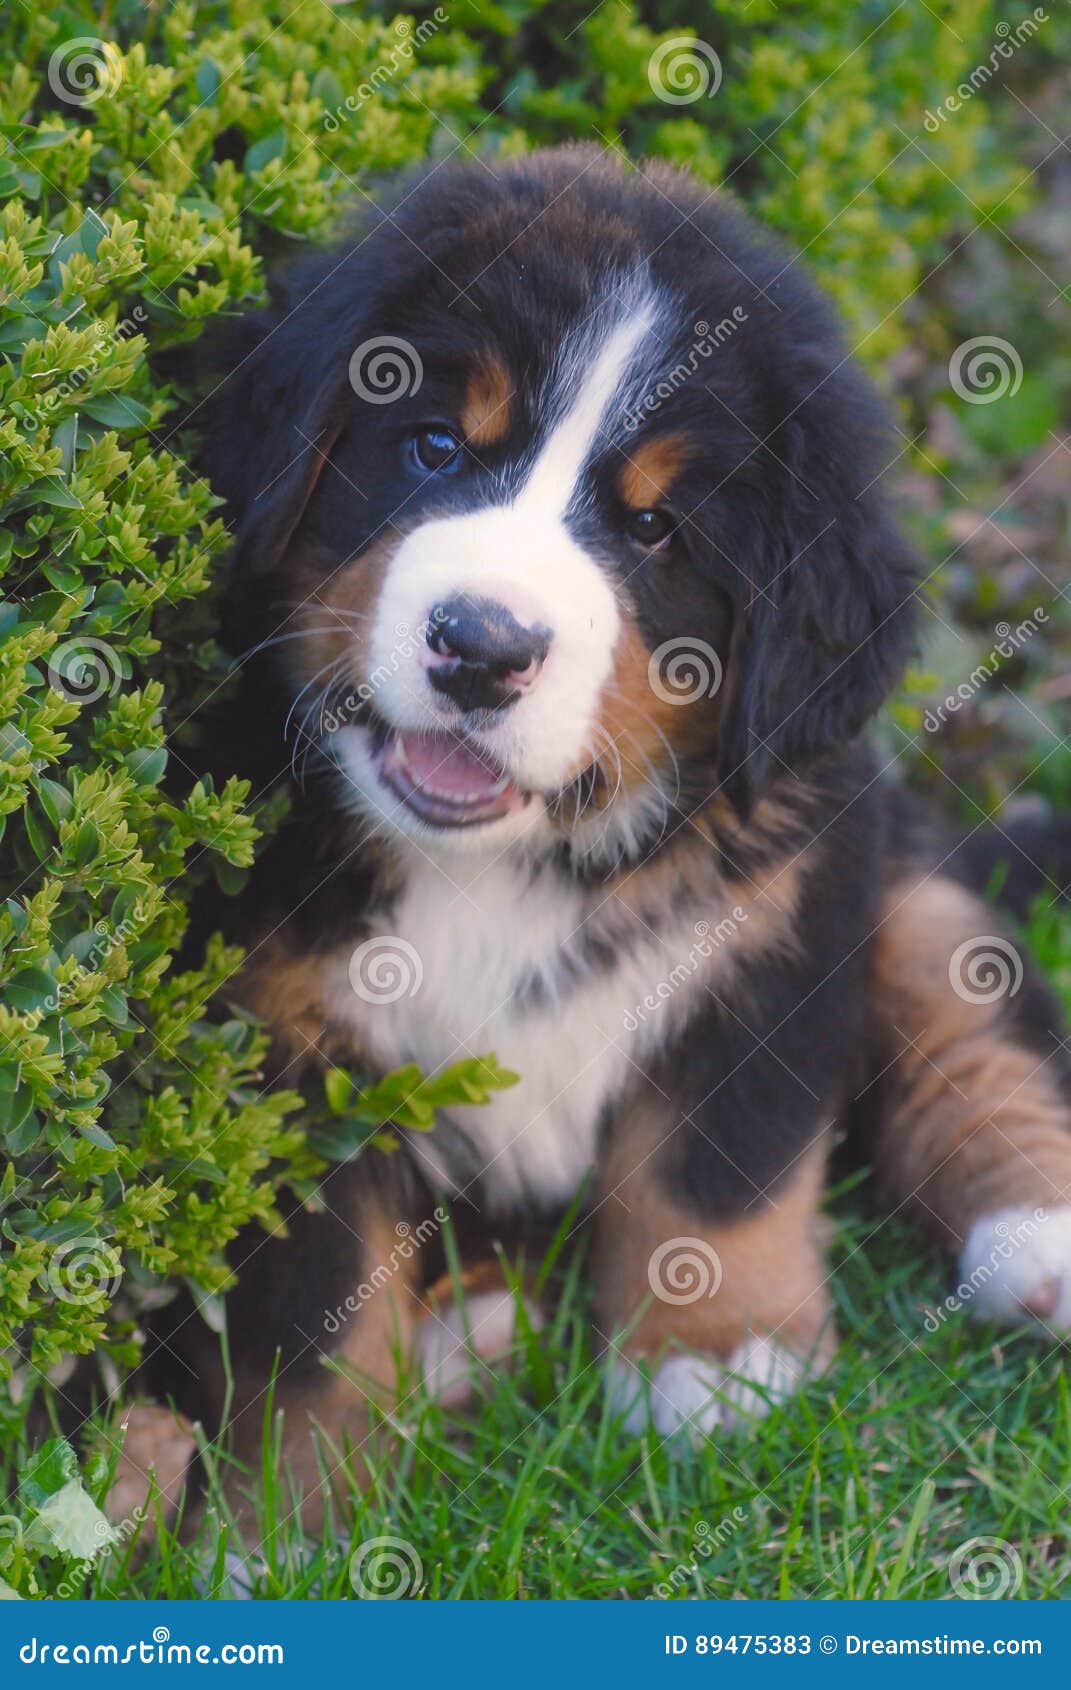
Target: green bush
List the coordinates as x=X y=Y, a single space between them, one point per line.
x=814 y=114
x=145 y=179
x=136 y=1139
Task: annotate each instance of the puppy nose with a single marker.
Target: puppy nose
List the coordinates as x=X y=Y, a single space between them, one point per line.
x=488 y=657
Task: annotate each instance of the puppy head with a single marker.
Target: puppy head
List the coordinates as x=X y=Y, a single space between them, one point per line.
x=558 y=496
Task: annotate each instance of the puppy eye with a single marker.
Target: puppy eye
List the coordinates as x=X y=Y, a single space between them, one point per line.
x=650 y=528
x=436 y=449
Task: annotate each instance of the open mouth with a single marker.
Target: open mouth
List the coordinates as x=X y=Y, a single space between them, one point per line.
x=446 y=780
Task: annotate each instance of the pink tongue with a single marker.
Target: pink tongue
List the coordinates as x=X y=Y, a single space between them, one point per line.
x=448 y=765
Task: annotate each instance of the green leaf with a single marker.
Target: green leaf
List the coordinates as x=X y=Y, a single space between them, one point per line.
x=208 y=79
x=56 y=801
x=50 y=490
x=18 y=1124
x=147 y=764
x=262 y=152
x=93 y=1133
x=115 y=410
x=70 y=1523
x=86 y=844
x=46 y=1471
x=338 y=1089
x=113 y=1006
x=30 y=989
x=39 y=845
x=24 y=1133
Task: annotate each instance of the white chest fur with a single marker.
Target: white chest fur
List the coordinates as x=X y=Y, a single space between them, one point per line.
x=494 y=961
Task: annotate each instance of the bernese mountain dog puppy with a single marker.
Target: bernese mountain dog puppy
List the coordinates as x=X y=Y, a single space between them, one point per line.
x=563 y=538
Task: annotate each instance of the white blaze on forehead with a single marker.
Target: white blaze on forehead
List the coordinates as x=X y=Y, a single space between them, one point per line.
x=558 y=467
x=523 y=555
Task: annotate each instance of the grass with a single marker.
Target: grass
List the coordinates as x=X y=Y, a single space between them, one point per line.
x=926 y=1434
x=867 y=1485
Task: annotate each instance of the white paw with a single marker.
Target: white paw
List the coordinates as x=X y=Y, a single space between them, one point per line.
x=695 y=1394
x=444 y=1351
x=1016 y=1267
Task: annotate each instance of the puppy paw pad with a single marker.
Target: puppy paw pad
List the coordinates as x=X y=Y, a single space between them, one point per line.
x=1015 y=1267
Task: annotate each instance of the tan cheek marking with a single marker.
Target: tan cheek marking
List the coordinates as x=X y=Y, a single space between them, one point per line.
x=772 y=1264
x=634 y=722
x=975 y=1122
x=485 y=414
x=648 y=474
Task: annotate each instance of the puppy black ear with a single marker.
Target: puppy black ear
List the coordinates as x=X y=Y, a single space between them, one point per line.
x=273 y=420
x=830 y=621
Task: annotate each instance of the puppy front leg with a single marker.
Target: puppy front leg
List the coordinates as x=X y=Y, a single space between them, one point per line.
x=320 y=1325
x=726 y=1304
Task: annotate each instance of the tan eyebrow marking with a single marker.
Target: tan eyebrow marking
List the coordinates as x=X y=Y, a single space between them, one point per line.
x=648 y=473
x=485 y=414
